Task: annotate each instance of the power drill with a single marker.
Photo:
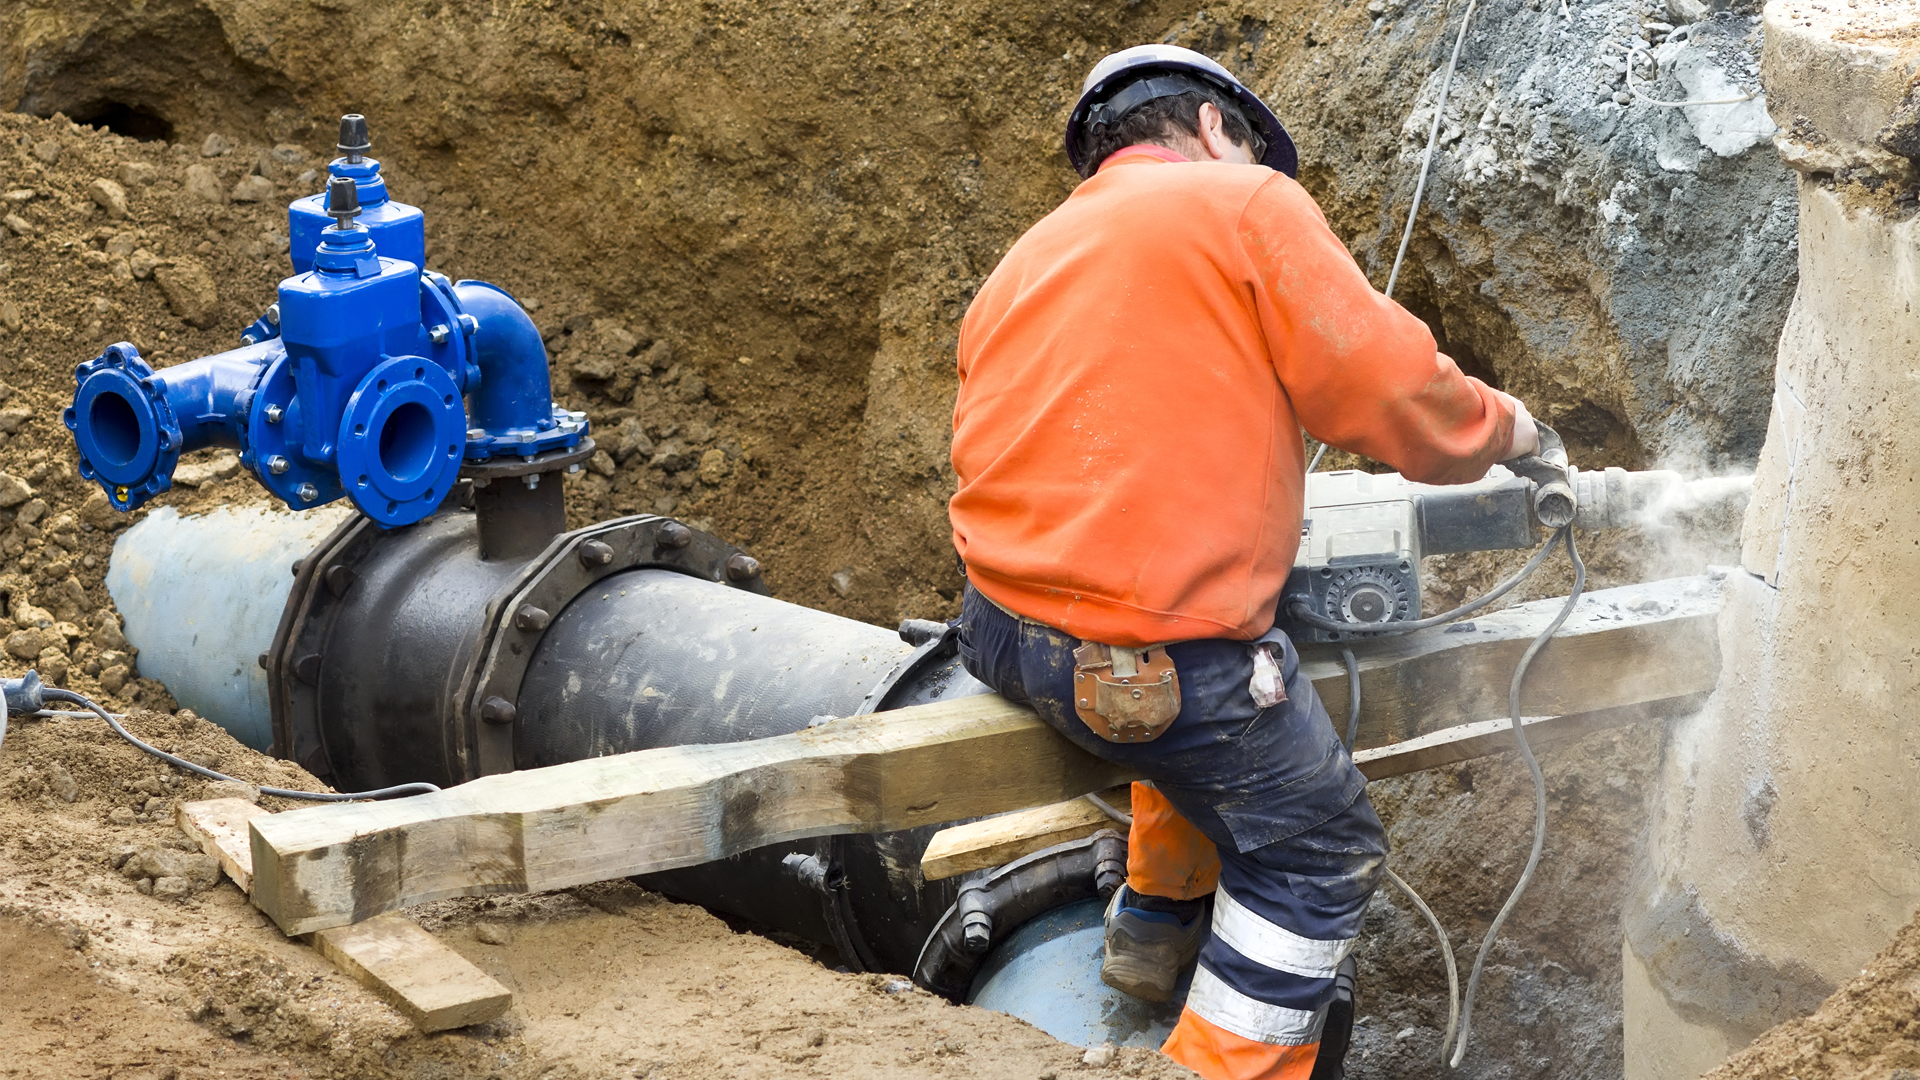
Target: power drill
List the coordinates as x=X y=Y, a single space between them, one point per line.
x=1363 y=535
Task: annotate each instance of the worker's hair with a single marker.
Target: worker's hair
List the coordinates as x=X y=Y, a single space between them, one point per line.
x=1163 y=119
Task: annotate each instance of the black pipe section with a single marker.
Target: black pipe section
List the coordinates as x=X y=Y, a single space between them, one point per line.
x=993 y=904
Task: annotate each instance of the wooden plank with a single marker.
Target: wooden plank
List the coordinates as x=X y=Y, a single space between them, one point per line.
x=996 y=841
x=219 y=826
x=659 y=809
x=979 y=845
x=1469 y=741
x=434 y=986
x=391 y=955
x=1627 y=646
x=680 y=806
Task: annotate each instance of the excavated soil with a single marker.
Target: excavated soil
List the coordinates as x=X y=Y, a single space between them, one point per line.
x=748 y=232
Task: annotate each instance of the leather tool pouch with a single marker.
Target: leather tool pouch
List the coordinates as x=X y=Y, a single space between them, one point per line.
x=1125 y=695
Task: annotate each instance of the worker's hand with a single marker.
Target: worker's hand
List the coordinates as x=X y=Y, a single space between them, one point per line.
x=1526 y=433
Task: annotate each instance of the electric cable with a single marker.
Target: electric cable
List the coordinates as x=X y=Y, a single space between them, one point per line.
x=1420 y=186
x=1446 y=951
x=1109 y=809
x=1353 y=695
x=56 y=694
x=1539 y=792
x=1299 y=610
x=1433 y=140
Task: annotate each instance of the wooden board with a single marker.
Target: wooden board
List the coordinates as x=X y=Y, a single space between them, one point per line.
x=979 y=845
x=637 y=813
x=996 y=841
x=412 y=970
x=434 y=986
x=1469 y=741
x=1627 y=646
x=680 y=806
x=219 y=826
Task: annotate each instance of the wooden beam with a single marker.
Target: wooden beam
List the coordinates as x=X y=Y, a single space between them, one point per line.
x=980 y=845
x=995 y=841
x=628 y=814
x=1634 y=645
x=680 y=806
x=391 y=955
x=219 y=826
x=435 y=987
x=1488 y=737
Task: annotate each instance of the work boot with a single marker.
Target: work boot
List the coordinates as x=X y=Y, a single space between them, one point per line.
x=1150 y=940
x=1336 y=1034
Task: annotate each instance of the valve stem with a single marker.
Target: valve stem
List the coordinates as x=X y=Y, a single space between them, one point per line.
x=343 y=202
x=353 y=137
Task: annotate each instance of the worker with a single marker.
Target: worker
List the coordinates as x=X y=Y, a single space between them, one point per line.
x=1135 y=377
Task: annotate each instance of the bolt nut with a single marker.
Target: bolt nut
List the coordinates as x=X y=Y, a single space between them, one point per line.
x=339 y=579
x=274 y=413
x=307 y=492
x=595 y=553
x=530 y=617
x=498 y=710
x=469 y=325
x=742 y=567
x=278 y=464
x=673 y=535
x=440 y=334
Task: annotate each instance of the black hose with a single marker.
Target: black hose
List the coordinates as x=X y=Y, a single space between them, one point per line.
x=1353 y=696
x=55 y=694
x=1539 y=794
x=1299 y=609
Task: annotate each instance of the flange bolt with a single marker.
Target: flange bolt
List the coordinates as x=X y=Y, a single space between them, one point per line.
x=674 y=535
x=498 y=710
x=274 y=413
x=742 y=567
x=307 y=492
x=531 y=618
x=595 y=553
x=277 y=464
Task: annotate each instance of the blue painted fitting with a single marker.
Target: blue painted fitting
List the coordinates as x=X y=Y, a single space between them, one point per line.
x=264 y=328
x=131 y=424
x=401 y=440
x=511 y=412
x=352 y=311
x=399 y=230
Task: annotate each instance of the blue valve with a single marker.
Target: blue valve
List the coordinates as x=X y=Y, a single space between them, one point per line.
x=369 y=378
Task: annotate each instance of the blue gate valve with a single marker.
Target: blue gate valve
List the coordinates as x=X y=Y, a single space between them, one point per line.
x=353 y=387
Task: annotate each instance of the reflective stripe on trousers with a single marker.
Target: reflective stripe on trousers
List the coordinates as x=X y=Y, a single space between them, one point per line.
x=1299 y=845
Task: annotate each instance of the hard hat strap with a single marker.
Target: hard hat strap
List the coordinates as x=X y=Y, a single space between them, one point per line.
x=1130 y=97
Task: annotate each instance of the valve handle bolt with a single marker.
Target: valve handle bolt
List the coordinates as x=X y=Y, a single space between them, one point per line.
x=354 y=141
x=343 y=202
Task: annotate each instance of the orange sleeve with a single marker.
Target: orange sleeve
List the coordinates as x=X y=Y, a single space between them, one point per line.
x=1362 y=373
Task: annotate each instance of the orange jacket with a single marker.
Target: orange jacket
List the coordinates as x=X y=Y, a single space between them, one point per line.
x=1134 y=378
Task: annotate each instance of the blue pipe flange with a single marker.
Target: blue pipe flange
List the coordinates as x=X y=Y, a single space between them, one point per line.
x=127 y=434
x=276 y=429
x=401 y=440
x=442 y=335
